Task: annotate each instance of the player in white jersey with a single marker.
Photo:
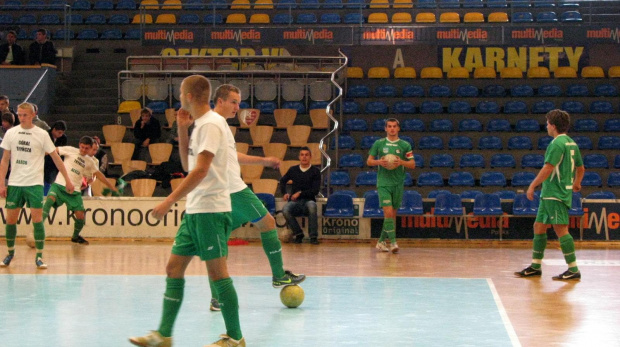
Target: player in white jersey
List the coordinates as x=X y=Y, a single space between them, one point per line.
x=25 y=147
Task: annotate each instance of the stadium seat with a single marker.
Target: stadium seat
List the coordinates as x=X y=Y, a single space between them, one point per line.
x=612 y=125
x=576 y=206
x=542 y=107
x=334 y=4
x=351 y=107
x=449 y=17
x=431 y=107
x=357 y=4
x=496 y=125
x=372 y=209
x=494 y=91
x=544 y=142
x=257 y=18
x=573 y=107
x=132 y=34
x=591 y=179
x=126 y=5
x=501 y=17
x=522 y=206
x=355 y=124
x=570 y=16
x=601 y=107
x=592 y=72
x=95 y=19
x=473 y=17
x=339 y=206
x=459 y=107
x=295 y=105
x=339 y=178
x=547 y=17
x=503 y=160
x=583 y=142
x=366 y=178
x=448 y=205
x=411 y=204
x=607 y=142
x=81 y=5
x=353 y=18
x=408 y=139
x=351 y=160
x=487 y=107
x=601 y=195
x=413 y=91
x=111 y=34
x=535 y=161
x=461 y=179
x=605 y=89
x=26 y=19
x=404 y=72
x=413 y=124
x=520 y=142
x=518 y=107
x=484 y=72
x=585 y=125
x=522 y=17
x=344 y=142
x=403 y=107
x=614 y=71
x=438 y=91
x=520 y=3
x=431 y=178
x=385 y=91
x=137 y=19
x=377 y=17
x=6 y=19
x=268 y=200
x=282 y=18
x=118 y=19
x=330 y=18
x=87 y=34
x=467 y=91
x=306 y=18
x=487 y=205
x=236 y=18
x=431 y=72
x=522 y=90
x=309 y=4
x=348 y=192
x=379 y=124
x=470 y=194
x=460 y=142
x=458 y=72
x=613 y=180
x=46 y=19
x=62 y=33
x=577 y=90
x=441 y=160
x=441 y=125
x=537 y=71
x=472 y=160
x=523 y=178
x=490 y=142
x=565 y=72
x=419 y=161
x=378 y=72
x=358 y=91
x=527 y=125
x=594 y=161
x=266 y=107
x=368 y=141
x=436 y=192
x=376 y=107
x=551 y=90
x=430 y=142
x=286 y=4
x=492 y=178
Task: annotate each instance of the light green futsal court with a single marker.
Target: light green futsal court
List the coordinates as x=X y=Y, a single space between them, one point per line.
x=79 y=310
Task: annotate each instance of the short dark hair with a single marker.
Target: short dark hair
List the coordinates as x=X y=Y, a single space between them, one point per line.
x=559 y=118
x=87 y=140
x=8 y=117
x=146 y=110
x=60 y=125
x=224 y=90
x=392 y=120
x=12 y=32
x=42 y=31
x=305 y=148
x=4 y=97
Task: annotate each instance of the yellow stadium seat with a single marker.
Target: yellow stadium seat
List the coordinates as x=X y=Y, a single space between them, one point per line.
x=538 y=72
x=425 y=17
x=431 y=72
x=149 y=4
x=401 y=17
x=265 y=185
x=565 y=72
x=263 y=5
x=144 y=18
x=298 y=135
x=259 y=18
x=592 y=72
x=143 y=187
x=355 y=72
x=113 y=133
x=450 y=17
x=240 y=5
x=166 y=18
x=378 y=72
x=379 y=4
x=458 y=72
x=127 y=106
x=498 y=17
x=377 y=17
x=484 y=72
x=404 y=72
x=319 y=119
x=614 y=72
x=160 y=152
x=473 y=17
x=172 y=5
x=511 y=72
x=261 y=134
x=402 y=4
x=236 y=18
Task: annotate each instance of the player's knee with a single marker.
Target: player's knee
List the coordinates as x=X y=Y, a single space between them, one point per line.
x=267 y=223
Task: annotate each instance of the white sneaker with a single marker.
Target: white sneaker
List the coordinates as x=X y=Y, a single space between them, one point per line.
x=227 y=341
x=382 y=246
x=153 y=339
x=394 y=248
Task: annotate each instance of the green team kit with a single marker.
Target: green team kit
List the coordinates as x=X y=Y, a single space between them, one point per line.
x=390 y=182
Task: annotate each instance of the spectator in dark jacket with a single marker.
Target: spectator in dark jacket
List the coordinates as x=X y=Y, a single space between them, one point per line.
x=11 y=53
x=147 y=130
x=41 y=50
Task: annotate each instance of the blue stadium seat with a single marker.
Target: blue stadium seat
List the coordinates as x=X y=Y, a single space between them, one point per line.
x=460 y=142
x=11 y=5
x=570 y=16
x=372 y=208
x=607 y=142
x=544 y=3
x=6 y=19
x=385 y=91
x=26 y=19
x=431 y=107
x=355 y=124
x=430 y=178
x=112 y=34
x=616 y=162
x=295 y=105
x=347 y=192
x=601 y=195
x=158 y=107
x=449 y=4
x=522 y=206
x=330 y=18
x=461 y=179
x=217 y=18
x=413 y=124
x=591 y=179
x=497 y=3
x=282 y=18
x=269 y=201
x=448 y=205
x=430 y=142
x=408 y=180
x=527 y=125
x=266 y=107
x=103 y=5
x=80 y=5
x=492 y=178
x=601 y=107
x=594 y=161
x=88 y=34
x=547 y=17
x=132 y=34
x=613 y=180
x=286 y=4
x=471 y=160
x=408 y=139
x=522 y=17
x=523 y=178
x=505 y=194
x=413 y=91
x=339 y=206
x=494 y=91
x=490 y=142
x=576 y=206
x=60 y=34
x=403 y=107
x=439 y=91
x=470 y=125
x=119 y=19
x=515 y=106
x=339 y=178
x=605 y=90
x=307 y=4
x=535 y=161
x=356 y=4
x=577 y=90
x=366 y=178
x=441 y=160
x=36 y=5
x=411 y=204
x=377 y=107
x=459 y=107
x=434 y=193
x=522 y=90
x=358 y=91
x=503 y=160
x=95 y=19
x=47 y=19
x=612 y=125
x=496 y=125
x=344 y=142
x=520 y=3
x=551 y=90
x=544 y=142
x=74 y=19
x=419 y=161
x=520 y=142
x=332 y=4
x=426 y=4
x=351 y=107
x=473 y=4
x=353 y=18
x=189 y=18
x=573 y=107
x=306 y=18
x=467 y=91
x=585 y=125
x=379 y=125
x=368 y=140
x=543 y=107
x=470 y=194
x=489 y=107
x=583 y=142
x=441 y=125
x=487 y=205
x=126 y=5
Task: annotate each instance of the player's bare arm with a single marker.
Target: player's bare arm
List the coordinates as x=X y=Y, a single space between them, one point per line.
x=61 y=168
x=540 y=178
x=4 y=168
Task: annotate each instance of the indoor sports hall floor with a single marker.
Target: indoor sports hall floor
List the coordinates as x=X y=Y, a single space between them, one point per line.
x=431 y=294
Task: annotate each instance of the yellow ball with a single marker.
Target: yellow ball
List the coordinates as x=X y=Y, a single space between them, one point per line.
x=391 y=158
x=292 y=296
x=30 y=240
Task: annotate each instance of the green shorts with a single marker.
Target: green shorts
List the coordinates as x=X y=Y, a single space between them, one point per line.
x=246 y=207
x=74 y=200
x=203 y=234
x=390 y=196
x=16 y=197
x=552 y=212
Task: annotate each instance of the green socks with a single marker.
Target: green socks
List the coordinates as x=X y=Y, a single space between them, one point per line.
x=389 y=230
x=213 y=290
x=273 y=250
x=47 y=206
x=78 y=226
x=11 y=233
x=227 y=296
x=567 y=244
x=173 y=297
x=540 y=243
x=39 y=238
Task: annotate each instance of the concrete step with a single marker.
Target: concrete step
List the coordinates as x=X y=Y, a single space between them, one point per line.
x=86 y=110
x=109 y=98
x=102 y=82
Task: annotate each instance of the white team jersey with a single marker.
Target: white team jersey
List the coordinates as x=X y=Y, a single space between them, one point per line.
x=77 y=166
x=212 y=193
x=235 y=182
x=28 y=148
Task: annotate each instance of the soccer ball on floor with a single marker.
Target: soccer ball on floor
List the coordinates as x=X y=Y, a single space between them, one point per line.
x=292 y=296
x=391 y=158
x=30 y=239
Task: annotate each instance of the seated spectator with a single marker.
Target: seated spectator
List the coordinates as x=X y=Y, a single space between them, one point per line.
x=10 y=52
x=147 y=130
x=5 y=106
x=42 y=50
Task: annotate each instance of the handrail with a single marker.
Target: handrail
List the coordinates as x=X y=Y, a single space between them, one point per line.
x=35 y=86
